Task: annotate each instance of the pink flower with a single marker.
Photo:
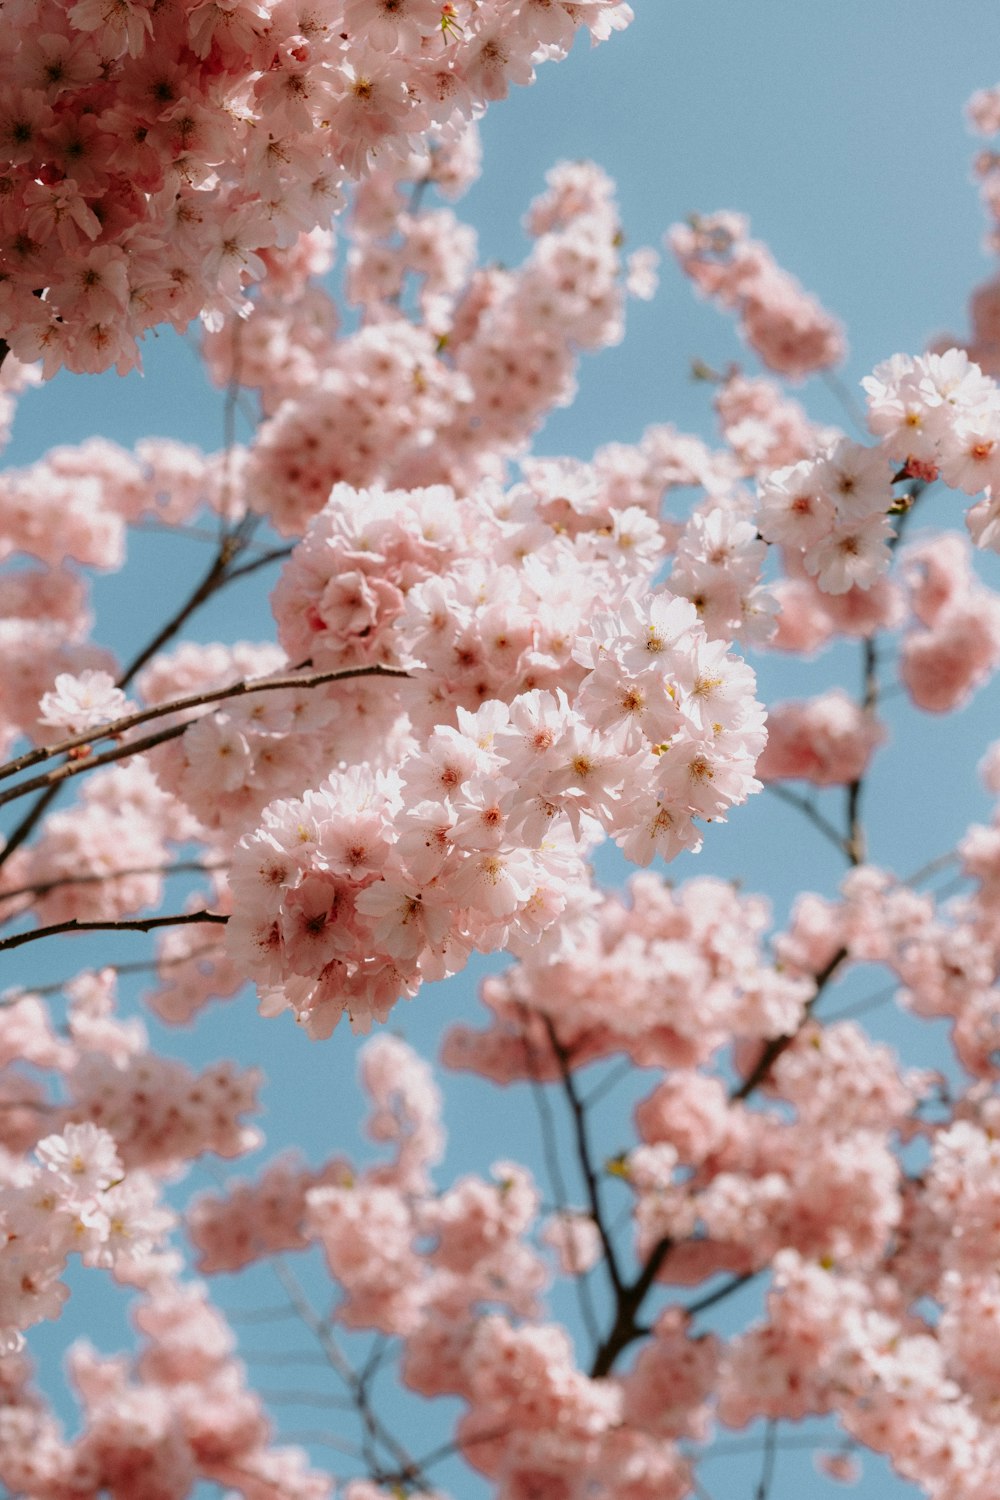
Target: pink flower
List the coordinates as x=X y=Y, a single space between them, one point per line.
x=828 y=740
x=83 y=702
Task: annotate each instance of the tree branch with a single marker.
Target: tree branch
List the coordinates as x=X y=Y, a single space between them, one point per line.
x=241 y=689
x=143 y=966
x=767 y=1466
x=550 y=1151
x=375 y=1431
x=854 y=840
x=230 y=546
x=793 y=799
x=585 y=1157
x=98 y=877
x=726 y=1290
x=626 y=1329
x=137 y=924
x=778 y=1044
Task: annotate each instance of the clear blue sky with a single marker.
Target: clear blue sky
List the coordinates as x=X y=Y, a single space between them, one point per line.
x=838 y=128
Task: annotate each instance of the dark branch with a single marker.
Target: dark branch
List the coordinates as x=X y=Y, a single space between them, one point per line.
x=242 y=689
x=137 y=924
x=778 y=1044
x=585 y=1157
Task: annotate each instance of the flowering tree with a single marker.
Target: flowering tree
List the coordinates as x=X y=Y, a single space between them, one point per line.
x=487 y=665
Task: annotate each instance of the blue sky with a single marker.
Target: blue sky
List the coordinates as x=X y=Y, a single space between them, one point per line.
x=839 y=129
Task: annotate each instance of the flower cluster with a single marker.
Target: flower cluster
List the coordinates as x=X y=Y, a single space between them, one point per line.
x=150 y=155
x=783 y=324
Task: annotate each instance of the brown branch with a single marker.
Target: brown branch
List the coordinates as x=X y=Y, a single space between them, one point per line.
x=932 y=867
x=23 y=830
x=735 y=1284
x=854 y=839
x=98 y=877
x=375 y=1430
x=137 y=924
x=240 y=689
x=230 y=547
x=143 y=966
x=626 y=1329
x=276 y=554
x=779 y=1044
x=767 y=1466
x=210 y=583
x=802 y=805
x=585 y=1157
x=550 y=1151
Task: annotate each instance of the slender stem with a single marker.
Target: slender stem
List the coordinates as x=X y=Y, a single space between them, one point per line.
x=608 y=1082
x=861 y=1007
x=932 y=867
x=585 y=1157
x=550 y=1151
x=854 y=841
x=306 y=1435
x=726 y=1290
x=25 y=828
x=375 y=1431
x=446 y=1450
x=626 y=1328
x=264 y=1315
x=213 y=580
x=142 y=966
x=241 y=689
x=276 y=554
x=767 y=1467
x=115 y=728
x=779 y=1044
x=808 y=810
x=281 y=1359
x=98 y=877
x=306 y=1398
x=138 y=924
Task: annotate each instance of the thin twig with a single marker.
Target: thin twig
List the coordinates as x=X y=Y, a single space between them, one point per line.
x=610 y=1080
x=213 y=580
x=98 y=877
x=861 y=1007
x=626 y=1328
x=276 y=554
x=447 y=1450
x=550 y=1151
x=138 y=924
x=278 y=1314
x=940 y=862
x=140 y=966
x=306 y=1398
x=854 y=843
x=321 y=1439
x=117 y=727
x=375 y=1430
x=242 y=689
x=726 y=1290
x=802 y=805
x=767 y=1467
x=585 y=1157
x=283 y=1359
x=779 y=1044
